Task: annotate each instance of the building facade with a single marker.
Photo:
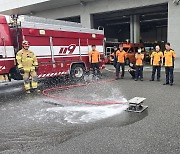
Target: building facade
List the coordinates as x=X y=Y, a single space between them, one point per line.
x=139 y=18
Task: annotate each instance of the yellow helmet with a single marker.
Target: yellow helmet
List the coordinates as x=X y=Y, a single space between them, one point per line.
x=25 y=44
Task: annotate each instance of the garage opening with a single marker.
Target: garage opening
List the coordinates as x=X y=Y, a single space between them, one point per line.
x=153 y=23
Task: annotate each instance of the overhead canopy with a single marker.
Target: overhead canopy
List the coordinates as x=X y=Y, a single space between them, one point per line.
x=30 y=7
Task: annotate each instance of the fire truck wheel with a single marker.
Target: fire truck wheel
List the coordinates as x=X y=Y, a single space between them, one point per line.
x=77 y=71
x=127 y=61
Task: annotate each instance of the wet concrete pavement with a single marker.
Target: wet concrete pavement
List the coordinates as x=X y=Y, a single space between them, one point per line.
x=37 y=124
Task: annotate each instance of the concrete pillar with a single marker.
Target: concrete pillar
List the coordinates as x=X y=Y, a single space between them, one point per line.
x=134 y=29
x=87 y=20
x=174 y=30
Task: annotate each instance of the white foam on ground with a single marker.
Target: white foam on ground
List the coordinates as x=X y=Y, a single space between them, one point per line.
x=85 y=114
x=81 y=113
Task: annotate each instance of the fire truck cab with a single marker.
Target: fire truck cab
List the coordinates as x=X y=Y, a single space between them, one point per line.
x=61 y=47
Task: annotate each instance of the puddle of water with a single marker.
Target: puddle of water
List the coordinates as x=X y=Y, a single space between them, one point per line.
x=10 y=90
x=90 y=78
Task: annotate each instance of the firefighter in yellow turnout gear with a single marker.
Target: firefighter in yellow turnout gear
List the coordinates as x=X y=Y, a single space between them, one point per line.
x=28 y=66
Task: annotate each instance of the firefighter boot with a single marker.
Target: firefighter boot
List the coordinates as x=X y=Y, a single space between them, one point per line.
x=28 y=91
x=37 y=91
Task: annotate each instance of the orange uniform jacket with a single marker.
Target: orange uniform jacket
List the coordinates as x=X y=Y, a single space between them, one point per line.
x=121 y=56
x=157 y=56
x=94 y=56
x=139 y=59
x=169 y=56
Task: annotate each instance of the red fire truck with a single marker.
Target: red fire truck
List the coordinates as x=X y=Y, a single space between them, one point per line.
x=61 y=47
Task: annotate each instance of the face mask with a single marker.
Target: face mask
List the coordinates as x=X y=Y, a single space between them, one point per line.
x=139 y=50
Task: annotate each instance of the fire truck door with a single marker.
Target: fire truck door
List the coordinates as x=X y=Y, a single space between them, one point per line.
x=52 y=52
x=3 y=55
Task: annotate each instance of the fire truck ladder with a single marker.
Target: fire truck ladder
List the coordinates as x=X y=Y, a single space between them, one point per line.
x=4 y=78
x=52 y=51
x=4 y=46
x=50 y=24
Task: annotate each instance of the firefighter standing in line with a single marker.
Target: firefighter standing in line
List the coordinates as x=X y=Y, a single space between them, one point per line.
x=139 y=65
x=28 y=66
x=169 y=56
x=94 y=59
x=156 y=62
x=113 y=56
x=121 y=56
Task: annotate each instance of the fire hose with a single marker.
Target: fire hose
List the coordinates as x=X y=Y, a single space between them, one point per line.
x=46 y=93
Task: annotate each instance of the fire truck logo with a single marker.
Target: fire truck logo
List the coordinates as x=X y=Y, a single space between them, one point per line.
x=68 y=50
x=2 y=68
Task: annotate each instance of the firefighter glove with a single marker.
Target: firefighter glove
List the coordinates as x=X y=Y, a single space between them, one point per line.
x=21 y=70
x=36 y=68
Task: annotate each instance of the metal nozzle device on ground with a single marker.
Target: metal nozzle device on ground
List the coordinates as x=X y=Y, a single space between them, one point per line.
x=135 y=105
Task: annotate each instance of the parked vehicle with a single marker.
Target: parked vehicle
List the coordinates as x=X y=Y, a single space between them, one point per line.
x=130 y=48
